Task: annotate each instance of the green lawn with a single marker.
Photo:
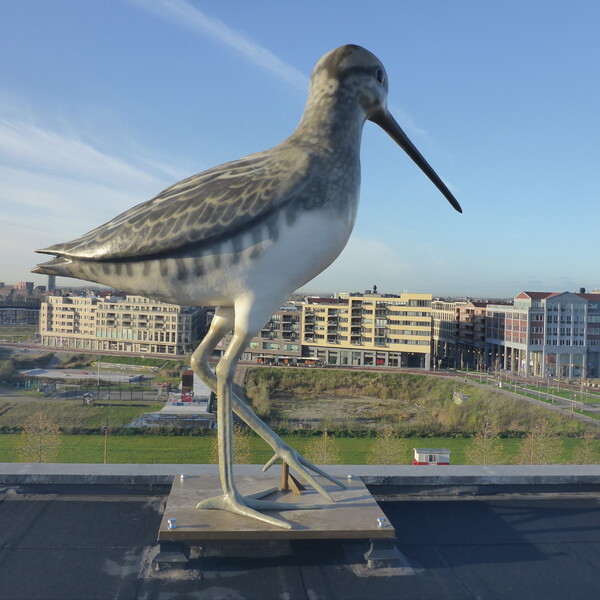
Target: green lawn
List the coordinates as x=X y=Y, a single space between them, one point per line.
x=138 y=360
x=14 y=333
x=568 y=394
x=70 y=414
x=531 y=391
x=155 y=449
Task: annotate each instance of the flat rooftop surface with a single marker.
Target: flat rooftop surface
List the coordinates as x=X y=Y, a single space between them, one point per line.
x=85 y=542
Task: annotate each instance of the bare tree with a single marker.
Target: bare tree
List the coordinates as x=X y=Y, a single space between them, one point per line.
x=242 y=447
x=388 y=449
x=40 y=440
x=497 y=368
x=541 y=446
x=479 y=360
x=323 y=450
x=485 y=447
x=586 y=452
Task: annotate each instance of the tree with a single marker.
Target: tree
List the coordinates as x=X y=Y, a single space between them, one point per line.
x=541 y=446
x=7 y=371
x=586 y=452
x=323 y=450
x=242 y=450
x=485 y=447
x=479 y=360
x=388 y=449
x=40 y=440
x=496 y=368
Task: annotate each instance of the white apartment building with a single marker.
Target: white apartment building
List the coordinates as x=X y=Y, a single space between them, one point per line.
x=118 y=323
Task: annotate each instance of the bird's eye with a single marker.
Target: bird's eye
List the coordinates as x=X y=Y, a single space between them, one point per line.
x=379 y=76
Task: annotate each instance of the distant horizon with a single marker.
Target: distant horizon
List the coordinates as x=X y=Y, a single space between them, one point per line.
x=82 y=286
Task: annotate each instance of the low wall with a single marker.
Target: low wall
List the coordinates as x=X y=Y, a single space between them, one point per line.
x=372 y=475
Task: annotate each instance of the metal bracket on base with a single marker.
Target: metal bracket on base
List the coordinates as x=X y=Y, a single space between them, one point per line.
x=383 y=554
x=288 y=481
x=171 y=556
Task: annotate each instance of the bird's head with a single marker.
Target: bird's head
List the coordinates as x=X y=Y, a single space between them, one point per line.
x=355 y=76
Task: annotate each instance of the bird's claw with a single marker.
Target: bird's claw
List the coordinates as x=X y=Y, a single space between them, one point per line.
x=239 y=505
x=249 y=506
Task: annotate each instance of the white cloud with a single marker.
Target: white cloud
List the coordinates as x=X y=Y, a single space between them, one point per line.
x=185 y=15
x=44 y=150
x=38 y=199
x=55 y=186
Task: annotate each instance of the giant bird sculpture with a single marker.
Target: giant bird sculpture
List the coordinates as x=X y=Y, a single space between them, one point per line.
x=244 y=235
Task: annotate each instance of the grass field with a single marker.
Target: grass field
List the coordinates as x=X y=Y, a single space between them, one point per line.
x=414 y=405
x=138 y=360
x=153 y=449
x=587 y=397
x=420 y=409
x=15 y=333
x=71 y=414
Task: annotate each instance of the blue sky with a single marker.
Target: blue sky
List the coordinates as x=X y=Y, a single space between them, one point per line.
x=104 y=103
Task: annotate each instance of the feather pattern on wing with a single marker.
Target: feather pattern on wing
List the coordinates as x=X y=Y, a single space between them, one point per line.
x=199 y=209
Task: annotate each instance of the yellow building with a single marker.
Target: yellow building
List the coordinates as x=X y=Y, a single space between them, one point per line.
x=369 y=330
x=118 y=323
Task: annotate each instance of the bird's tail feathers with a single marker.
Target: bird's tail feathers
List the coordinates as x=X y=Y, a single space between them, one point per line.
x=57 y=266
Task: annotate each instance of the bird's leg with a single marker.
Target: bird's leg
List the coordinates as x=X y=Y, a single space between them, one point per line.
x=221 y=324
x=231 y=499
x=282 y=450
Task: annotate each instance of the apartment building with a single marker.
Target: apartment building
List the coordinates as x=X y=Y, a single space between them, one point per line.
x=118 y=323
x=278 y=341
x=546 y=334
x=444 y=333
x=539 y=333
x=458 y=333
x=350 y=330
x=368 y=330
x=20 y=311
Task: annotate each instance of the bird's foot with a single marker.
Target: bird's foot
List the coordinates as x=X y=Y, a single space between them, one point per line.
x=303 y=467
x=250 y=505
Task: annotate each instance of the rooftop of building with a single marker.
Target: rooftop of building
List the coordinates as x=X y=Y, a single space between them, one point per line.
x=89 y=531
x=320 y=300
x=592 y=296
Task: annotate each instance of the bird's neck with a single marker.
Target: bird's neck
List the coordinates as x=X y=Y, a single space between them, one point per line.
x=332 y=124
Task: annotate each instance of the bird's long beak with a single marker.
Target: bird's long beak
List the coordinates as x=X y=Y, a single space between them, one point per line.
x=389 y=125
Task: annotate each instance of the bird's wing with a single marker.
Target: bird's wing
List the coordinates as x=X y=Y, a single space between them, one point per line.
x=206 y=206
